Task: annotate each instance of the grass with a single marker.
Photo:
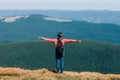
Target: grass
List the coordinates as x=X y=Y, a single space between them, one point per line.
x=45 y=74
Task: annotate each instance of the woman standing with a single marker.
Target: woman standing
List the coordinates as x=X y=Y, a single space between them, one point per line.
x=59 y=50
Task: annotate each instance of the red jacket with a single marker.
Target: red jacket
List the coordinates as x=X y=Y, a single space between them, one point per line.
x=63 y=41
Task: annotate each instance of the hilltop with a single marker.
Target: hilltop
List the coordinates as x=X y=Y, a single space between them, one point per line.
x=90 y=56
x=45 y=74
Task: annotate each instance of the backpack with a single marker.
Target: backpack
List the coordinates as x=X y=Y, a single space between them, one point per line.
x=59 y=49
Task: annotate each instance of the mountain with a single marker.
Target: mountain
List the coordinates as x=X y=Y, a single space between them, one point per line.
x=4 y=41
x=85 y=56
x=45 y=74
x=94 y=16
x=29 y=28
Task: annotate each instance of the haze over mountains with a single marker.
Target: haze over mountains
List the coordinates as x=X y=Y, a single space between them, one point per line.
x=94 y=16
x=29 y=28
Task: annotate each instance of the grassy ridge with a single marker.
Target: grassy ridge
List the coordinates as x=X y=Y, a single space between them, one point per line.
x=45 y=74
x=86 y=56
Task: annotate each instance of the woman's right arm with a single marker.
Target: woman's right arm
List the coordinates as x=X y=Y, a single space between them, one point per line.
x=71 y=40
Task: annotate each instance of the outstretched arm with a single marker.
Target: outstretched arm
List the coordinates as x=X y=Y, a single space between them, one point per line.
x=71 y=40
x=47 y=39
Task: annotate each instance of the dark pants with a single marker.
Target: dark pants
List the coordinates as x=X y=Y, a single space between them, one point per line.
x=60 y=60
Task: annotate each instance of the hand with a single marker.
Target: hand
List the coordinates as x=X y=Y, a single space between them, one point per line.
x=40 y=37
x=79 y=40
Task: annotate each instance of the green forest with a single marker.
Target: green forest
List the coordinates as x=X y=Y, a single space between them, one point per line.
x=88 y=55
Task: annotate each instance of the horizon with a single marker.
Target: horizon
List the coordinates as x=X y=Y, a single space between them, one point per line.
x=56 y=10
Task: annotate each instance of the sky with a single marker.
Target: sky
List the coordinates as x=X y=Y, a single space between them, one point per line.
x=61 y=4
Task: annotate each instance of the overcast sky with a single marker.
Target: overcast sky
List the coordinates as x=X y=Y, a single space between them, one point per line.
x=61 y=4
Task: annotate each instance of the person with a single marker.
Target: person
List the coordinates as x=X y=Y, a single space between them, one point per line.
x=59 y=49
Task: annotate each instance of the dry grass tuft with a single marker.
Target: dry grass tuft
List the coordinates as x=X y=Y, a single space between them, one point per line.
x=12 y=71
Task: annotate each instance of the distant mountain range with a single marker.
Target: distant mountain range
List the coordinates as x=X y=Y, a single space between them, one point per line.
x=29 y=28
x=94 y=16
